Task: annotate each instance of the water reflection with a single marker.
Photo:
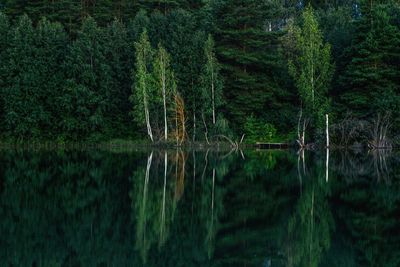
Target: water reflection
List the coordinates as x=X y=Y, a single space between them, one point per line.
x=199 y=208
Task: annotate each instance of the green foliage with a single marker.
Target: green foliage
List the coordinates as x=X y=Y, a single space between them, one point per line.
x=34 y=78
x=101 y=207
x=370 y=81
x=257 y=130
x=83 y=54
x=311 y=66
x=251 y=65
x=142 y=90
x=165 y=87
x=211 y=85
x=89 y=70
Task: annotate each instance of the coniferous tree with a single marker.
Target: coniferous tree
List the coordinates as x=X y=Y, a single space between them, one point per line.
x=120 y=58
x=20 y=120
x=4 y=46
x=185 y=43
x=51 y=47
x=89 y=77
x=137 y=25
x=370 y=82
x=34 y=76
x=164 y=6
x=251 y=64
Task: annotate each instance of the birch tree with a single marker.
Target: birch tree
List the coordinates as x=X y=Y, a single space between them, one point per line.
x=211 y=81
x=310 y=65
x=142 y=88
x=164 y=78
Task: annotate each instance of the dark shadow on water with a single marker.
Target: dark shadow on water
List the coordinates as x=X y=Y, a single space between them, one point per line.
x=199 y=208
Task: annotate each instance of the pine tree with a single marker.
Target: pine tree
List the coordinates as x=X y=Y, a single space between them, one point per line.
x=370 y=82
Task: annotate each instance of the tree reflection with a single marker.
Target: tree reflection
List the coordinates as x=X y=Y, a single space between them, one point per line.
x=310 y=226
x=163 y=208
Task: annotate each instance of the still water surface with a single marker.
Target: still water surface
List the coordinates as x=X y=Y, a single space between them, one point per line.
x=199 y=208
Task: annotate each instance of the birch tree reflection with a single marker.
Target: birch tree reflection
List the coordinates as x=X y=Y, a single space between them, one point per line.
x=155 y=202
x=311 y=224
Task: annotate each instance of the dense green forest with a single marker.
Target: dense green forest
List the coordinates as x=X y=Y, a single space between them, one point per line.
x=190 y=70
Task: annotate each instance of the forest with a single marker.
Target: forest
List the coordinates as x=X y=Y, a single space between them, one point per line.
x=198 y=70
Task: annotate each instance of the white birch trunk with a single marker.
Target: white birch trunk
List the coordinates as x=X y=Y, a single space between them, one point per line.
x=162 y=230
x=213 y=94
x=145 y=189
x=327 y=130
x=194 y=126
x=163 y=80
x=212 y=196
x=147 y=118
x=327 y=165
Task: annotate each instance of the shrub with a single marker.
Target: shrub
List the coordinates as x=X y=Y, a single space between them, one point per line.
x=259 y=131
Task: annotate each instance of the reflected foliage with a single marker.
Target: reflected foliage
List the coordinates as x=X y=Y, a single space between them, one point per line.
x=199 y=208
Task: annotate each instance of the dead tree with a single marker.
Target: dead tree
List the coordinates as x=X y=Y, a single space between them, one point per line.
x=379 y=133
x=301 y=130
x=180 y=120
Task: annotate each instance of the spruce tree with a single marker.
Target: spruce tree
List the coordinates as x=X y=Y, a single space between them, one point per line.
x=251 y=64
x=119 y=56
x=370 y=82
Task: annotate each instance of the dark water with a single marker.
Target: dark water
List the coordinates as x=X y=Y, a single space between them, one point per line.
x=175 y=208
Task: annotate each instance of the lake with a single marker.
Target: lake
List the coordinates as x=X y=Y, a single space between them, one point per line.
x=101 y=207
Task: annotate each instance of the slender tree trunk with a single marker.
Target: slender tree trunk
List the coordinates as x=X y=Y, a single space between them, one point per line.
x=205 y=129
x=194 y=125
x=327 y=165
x=300 y=135
x=205 y=165
x=145 y=189
x=147 y=118
x=327 y=130
x=162 y=230
x=299 y=172
x=163 y=79
x=176 y=127
x=212 y=196
x=213 y=94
